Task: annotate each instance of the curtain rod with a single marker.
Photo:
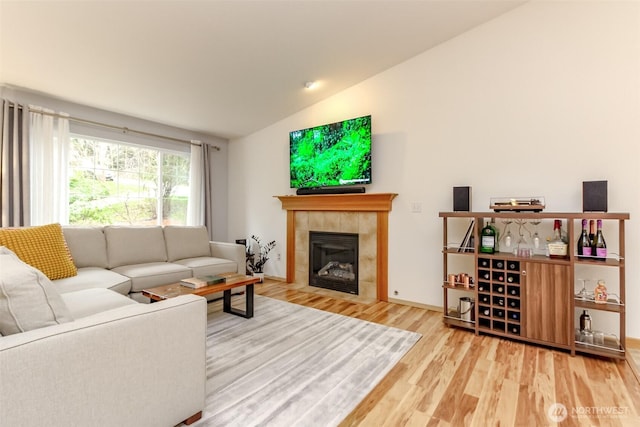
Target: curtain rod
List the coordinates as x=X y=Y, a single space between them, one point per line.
x=120 y=128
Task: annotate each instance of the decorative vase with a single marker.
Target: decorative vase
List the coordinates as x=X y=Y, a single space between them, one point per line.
x=260 y=275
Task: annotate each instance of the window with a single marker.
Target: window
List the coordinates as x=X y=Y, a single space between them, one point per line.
x=117 y=183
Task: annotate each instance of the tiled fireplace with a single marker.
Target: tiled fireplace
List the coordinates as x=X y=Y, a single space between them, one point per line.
x=365 y=215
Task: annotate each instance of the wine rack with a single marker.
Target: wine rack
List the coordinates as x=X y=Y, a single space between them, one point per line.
x=532 y=298
x=499 y=296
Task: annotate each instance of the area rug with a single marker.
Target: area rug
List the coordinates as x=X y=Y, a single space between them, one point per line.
x=292 y=365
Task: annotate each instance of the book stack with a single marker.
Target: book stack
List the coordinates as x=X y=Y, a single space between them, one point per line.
x=202 y=281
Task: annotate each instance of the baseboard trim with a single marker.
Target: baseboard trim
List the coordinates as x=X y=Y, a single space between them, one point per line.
x=633 y=342
x=416 y=304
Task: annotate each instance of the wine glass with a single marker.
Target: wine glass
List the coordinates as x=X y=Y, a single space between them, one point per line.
x=523 y=249
x=583 y=293
x=507 y=238
x=536 y=237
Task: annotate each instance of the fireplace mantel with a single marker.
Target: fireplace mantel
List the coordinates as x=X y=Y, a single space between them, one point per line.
x=361 y=202
x=379 y=203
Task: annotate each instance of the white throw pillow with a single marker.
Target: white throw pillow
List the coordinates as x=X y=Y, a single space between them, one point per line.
x=28 y=299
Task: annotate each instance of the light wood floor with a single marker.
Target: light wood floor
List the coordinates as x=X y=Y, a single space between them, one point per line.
x=453 y=378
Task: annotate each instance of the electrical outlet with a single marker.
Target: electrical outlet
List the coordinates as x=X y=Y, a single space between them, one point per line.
x=278 y=256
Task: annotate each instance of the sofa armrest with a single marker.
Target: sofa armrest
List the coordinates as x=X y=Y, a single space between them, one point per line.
x=140 y=365
x=231 y=251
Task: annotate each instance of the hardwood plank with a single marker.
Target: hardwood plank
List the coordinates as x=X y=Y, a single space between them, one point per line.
x=452 y=377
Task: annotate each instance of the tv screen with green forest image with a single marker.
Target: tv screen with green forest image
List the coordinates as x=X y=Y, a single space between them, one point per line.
x=335 y=154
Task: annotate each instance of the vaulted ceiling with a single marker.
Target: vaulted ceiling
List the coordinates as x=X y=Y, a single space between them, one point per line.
x=226 y=68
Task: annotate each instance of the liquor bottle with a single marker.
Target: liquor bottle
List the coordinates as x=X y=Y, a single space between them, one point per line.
x=584 y=243
x=585 y=321
x=598 y=246
x=488 y=240
x=557 y=246
x=492 y=224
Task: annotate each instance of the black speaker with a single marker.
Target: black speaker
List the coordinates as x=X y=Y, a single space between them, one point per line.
x=461 y=199
x=594 y=196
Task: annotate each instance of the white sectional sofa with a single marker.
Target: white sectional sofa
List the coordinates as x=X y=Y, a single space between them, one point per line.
x=82 y=350
x=94 y=356
x=128 y=259
x=129 y=365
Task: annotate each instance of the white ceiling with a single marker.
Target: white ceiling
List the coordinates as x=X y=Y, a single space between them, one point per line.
x=226 y=68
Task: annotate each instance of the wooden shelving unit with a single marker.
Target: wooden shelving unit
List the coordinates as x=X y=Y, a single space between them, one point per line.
x=532 y=299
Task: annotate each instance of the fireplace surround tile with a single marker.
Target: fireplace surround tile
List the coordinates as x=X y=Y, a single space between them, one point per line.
x=364 y=214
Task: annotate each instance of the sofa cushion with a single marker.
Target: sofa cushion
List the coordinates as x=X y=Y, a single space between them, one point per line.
x=94 y=277
x=42 y=247
x=28 y=299
x=186 y=242
x=87 y=245
x=203 y=266
x=134 y=245
x=144 y=276
x=94 y=300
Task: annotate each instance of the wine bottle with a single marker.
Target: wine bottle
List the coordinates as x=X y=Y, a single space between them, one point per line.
x=592 y=231
x=598 y=246
x=584 y=243
x=585 y=321
x=557 y=246
x=488 y=240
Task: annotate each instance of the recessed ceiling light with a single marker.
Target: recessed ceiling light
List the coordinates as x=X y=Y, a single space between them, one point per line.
x=310 y=85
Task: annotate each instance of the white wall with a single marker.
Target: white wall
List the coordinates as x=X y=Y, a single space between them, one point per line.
x=529 y=104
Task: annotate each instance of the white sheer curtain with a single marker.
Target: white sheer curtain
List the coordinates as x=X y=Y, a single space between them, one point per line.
x=195 y=207
x=49 y=147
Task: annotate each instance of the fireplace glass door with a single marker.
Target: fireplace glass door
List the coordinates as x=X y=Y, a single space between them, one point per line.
x=333 y=261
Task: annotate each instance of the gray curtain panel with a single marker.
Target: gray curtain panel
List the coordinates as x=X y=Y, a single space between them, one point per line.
x=14 y=165
x=208 y=185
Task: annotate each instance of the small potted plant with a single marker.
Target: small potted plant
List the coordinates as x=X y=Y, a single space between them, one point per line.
x=256 y=260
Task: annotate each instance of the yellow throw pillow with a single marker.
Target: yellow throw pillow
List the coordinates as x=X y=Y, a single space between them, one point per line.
x=43 y=247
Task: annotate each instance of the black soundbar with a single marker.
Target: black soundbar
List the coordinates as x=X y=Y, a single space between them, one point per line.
x=329 y=190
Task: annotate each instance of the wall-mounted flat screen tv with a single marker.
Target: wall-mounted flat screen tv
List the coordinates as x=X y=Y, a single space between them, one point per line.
x=335 y=154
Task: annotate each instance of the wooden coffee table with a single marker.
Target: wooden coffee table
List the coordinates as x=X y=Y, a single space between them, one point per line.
x=234 y=280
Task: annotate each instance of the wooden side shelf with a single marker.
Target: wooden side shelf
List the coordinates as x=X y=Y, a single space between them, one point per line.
x=532 y=299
